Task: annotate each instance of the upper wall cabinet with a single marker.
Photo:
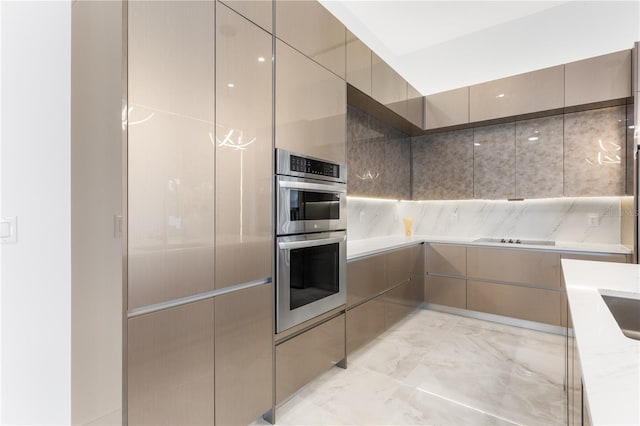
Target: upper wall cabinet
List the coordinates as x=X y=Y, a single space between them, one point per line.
x=311 y=106
x=243 y=140
x=598 y=79
x=259 y=12
x=388 y=87
x=415 y=106
x=442 y=166
x=314 y=31
x=521 y=94
x=358 y=64
x=446 y=109
x=170 y=150
x=494 y=158
x=594 y=152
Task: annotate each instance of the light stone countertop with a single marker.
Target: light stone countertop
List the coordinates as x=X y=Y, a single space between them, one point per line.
x=610 y=361
x=370 y=246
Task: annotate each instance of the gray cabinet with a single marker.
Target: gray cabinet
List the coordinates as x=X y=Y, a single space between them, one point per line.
x=258 y=11
x=313 y=30
x=305 y=356
x=381 y=290
x=388 y=87
x=446 y=291
x=243 y=355
x=445 y=282
x=446 y=259
x=244 y=150
x=366 y=278
x=311 y=106
x=539 y=157
x=494 y=161
x=442 y=166
x=170 y=154
x=594 y=152
x=598 y=79
x=535 y=91
x=170 y=358
x=445 y=109
x=358 y=64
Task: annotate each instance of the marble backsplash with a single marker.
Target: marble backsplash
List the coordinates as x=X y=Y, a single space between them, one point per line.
x=558 y=219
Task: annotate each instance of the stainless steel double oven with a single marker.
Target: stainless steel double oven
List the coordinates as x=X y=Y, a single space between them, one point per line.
x=311 y=238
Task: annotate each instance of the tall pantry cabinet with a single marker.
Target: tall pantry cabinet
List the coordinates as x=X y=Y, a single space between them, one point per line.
x=199 y=268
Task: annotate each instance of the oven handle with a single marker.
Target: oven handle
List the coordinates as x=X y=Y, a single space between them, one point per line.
x=290 y=245
x=312 y=186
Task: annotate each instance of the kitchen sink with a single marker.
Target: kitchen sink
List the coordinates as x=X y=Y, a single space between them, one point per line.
x=626 y=312
x=515 y=241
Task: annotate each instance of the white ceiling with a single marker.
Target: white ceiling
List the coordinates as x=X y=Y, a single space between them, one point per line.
x=442 y=45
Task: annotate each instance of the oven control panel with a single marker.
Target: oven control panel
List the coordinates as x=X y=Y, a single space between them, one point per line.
x=314 y=167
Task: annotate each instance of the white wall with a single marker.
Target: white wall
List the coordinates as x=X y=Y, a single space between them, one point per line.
x=35 y=166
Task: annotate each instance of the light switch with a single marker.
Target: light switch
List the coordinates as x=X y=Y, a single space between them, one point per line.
x=8 y=230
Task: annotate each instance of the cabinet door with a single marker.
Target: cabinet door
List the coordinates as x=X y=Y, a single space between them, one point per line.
x=527 y=303
x=494 y=162
x=448 y=108
x=536 y=268
x=244 y=150
x=401 y=301
x=598 y=79
x=314 y=31
x=170 y=153
x=442 y=166
x=388 y=87
x=539 y=157
x=304 y=357
x=447 y=259
x=358 y=64
x=366 y=278
x=311 y=106
x=258 y=11
x=244 y=355
x=365 y=322
x=415 y=106
x=170 y=366
x=446 y=291
x=594 y=152
x=535 y=91
x=401 y=264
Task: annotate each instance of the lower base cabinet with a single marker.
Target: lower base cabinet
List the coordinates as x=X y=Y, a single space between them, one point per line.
x=446 y=291
x=402 y=300
x=305 y=356
x=170 y=366
x=243 y=355
x=365 y=322
x=527 y=303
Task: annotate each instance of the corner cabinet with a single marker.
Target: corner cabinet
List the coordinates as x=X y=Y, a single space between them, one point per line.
x=381 y=290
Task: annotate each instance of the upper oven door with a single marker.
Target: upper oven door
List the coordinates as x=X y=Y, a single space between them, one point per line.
x=309 y=205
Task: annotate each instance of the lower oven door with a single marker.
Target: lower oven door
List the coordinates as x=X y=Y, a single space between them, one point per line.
x=310 y=205
x=311 y=276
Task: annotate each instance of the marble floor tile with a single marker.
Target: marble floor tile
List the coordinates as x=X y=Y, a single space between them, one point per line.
x=441 y=369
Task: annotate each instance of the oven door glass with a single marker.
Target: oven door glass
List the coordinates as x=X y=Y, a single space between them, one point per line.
x=309 y=205
x=314 y=274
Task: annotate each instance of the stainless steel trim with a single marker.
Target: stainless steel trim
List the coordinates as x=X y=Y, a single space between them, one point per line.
x=531 y=325
x=286 y=226
x=287 y=318
x=310 y=243
x=308 y=325
x=336 y=187
x=125 y=210
x=194 y=298
x=283 y=166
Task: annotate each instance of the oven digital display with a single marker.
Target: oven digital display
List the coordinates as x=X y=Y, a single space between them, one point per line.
x=314 y=167
x=314 y=274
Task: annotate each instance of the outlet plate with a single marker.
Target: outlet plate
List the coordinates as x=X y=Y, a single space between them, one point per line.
x=8 y=230
x=593 y=220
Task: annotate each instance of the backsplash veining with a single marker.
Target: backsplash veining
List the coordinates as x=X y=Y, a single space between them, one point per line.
x=561 y=219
